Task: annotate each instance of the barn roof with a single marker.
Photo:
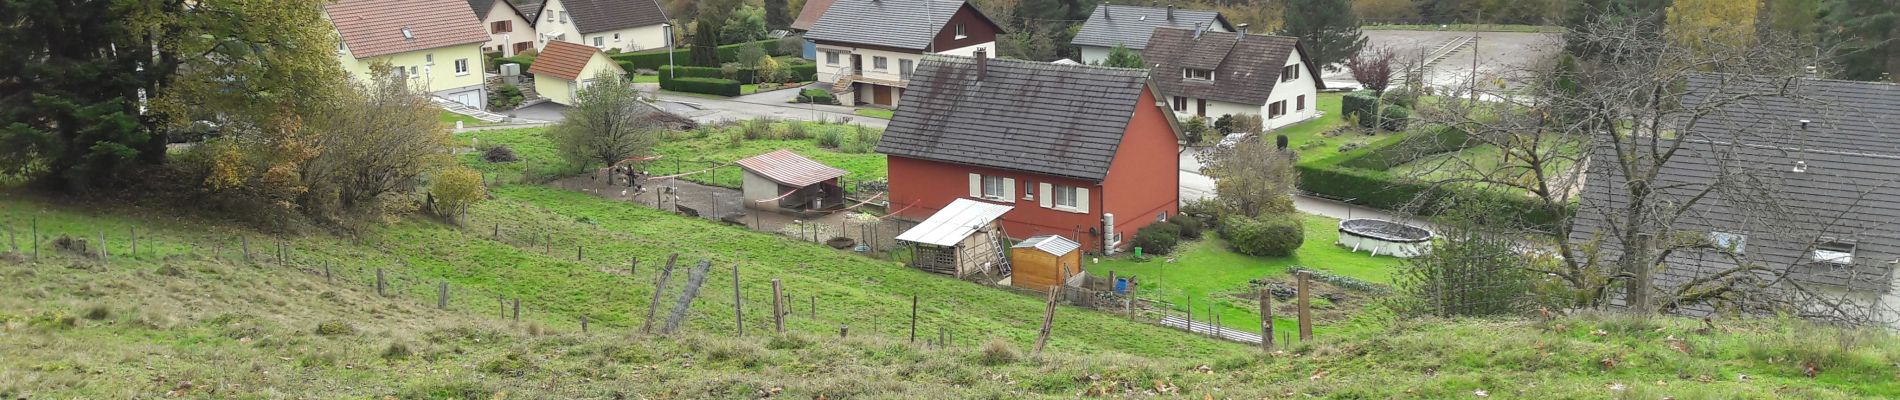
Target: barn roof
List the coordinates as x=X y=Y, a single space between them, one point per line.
x=954 y=222
x=790 y=169
x=1051 y=244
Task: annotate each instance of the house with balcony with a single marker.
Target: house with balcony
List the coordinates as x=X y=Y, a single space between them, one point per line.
x=509 y=31
x=867 y=49
x=1129 y=26
x=1210 y=74
x=436 y=44
x=1087 y=153
x=608 y=25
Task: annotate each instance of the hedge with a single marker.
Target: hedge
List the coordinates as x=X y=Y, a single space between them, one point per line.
x=819 y=96
x=525 y=61
x=1393 y=118
x=654 y=59
x=1359 y=104
x=1267 y=236
x=1362 y=176
x=805 y=72
x=681 y=71
x=714 y=86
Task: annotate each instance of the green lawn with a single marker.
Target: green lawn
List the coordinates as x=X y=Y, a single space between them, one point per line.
x=684 y=152
x=1307 y=138
x=1475 y=162
x=876 y=113
x=1206 y=268
x=646 y=79
x=449 y=119
x=1466 y=28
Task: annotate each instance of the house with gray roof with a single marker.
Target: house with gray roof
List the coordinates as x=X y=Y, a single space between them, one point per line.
x=1129 y=26
x=510 y=32
x=1211 y=74
x=1792 y=195
x=1088 y=153
x=625 y=25
x=867 y=49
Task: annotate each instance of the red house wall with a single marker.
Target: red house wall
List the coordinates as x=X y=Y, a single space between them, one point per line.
x=976 y=30
x=1144 y=179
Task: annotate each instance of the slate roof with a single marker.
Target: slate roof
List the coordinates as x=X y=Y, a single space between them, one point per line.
x=371 y=28
x=904 y=24
x=563 y=60
x=790 y=169
x=1130 y=26
x=607 y=15
x=1848 y=190
x=808 y=16
x=528 y=10
x=1060 y=120
x=954 y=222
x=1246 y=67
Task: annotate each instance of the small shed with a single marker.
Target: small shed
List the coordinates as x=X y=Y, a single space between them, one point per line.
x=1044 y=261
x=961 y=239
x=564 y=69
x=785 y=181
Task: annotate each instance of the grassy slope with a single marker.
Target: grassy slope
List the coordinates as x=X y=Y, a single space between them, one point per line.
x=1468 y=28
x=694 y=152
x=1207 y=267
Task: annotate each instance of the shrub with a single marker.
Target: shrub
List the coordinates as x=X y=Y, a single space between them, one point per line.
x=1196 y=129
x=335 y=328
x=731 y=71
x=505 y=97
x=1358 y=104
x=796 y=130
x=1190 y=225
x=830 y=138
x=654 y=59
x=1158 y=238
x=819 y=96
x=397 y=350
x=863 y=139
x=500 y=154
x=1394 y=117
x=1269 y=236
x=791 y=45
x=998 y=352
x=1224 y=124
x=757 y=129
x=713 y=86
x=455 y=190
x=803 y=72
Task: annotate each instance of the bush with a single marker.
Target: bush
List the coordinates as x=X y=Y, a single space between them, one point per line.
x=758 y=129
x=804 y=72
x=505 y=97
x=654 y=59
x=1394 y=117
x=830 y=138
x=863 y=140
x=998 y=352
x=335 y=328
x=1158 y=238
x=796 y=130
x=1224 y=124
x=1359 y=105
x=1196 y=129
x=455 y=190
x=733 y=72
x=712 y=86
x=819 y=96
x=1190 y=225
x=500 y=154
x=1268 y=236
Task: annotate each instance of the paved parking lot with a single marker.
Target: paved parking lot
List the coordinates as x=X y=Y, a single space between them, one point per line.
x=1497 y=55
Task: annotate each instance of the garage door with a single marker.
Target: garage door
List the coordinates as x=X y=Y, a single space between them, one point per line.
x=469 y=99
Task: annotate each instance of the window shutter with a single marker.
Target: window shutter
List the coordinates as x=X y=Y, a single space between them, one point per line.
x=1082 y=200
x=1009 y=189
x=1048 y=195
x=976 y=185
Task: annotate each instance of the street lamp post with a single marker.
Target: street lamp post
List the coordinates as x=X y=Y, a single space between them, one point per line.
x=669 y=48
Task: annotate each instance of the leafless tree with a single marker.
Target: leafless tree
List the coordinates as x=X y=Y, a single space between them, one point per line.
x=1675 y=160
x=1374 y=68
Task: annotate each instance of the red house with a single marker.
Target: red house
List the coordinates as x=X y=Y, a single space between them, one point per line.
x=1088 y=153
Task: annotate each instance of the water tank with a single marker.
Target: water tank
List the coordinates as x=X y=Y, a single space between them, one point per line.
x=510 y=69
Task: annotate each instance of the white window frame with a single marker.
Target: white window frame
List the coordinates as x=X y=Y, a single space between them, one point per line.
x=1029 y=190
x=994 y=187
x=563 y=16
x=461 y=66
x=961 y=32
x=904 y=67
x=428 y=59
x=1202 y=75
x=1833 y=251
x=880 y=63
x=1059 y=192
x=600 y=41
x=831 y=58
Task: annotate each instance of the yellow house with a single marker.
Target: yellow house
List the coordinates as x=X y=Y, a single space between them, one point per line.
x=435 y=44
x=510 y=29
x=563 y=69
x=625 y=25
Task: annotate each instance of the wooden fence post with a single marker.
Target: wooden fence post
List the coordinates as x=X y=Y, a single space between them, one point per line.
x=583 y=323
x=497 y=235
x=442 y=295
x=1190 y=313
x=104 y=256
x=1266 y=320
x=844 y=331
x=246 y=243
x=738 y=309
x=517 y=309
x=36 y=238
x=1048 y=318
x=504 y=305
x=814 y=306
x=659 y=289
x=913 y=318
x=1306 y=315
x=135 y=240
x=633 y=266
x=380 y=283
x=580 y=253
x=778 y=307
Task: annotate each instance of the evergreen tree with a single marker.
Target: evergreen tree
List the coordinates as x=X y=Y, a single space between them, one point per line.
x=777 y=14
x=69 y=92
x=1866 y=38
x=1122 y=57
x=1327 y=29
x=705 y=50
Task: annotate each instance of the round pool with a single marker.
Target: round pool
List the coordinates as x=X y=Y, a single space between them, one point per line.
x=1384 y=237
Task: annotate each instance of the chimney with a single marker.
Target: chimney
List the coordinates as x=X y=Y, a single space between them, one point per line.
x=1242 y=28
x=1105 y=12
x=982 y=64
x=1170 y=12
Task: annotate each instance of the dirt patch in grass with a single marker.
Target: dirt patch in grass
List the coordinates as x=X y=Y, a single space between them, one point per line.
x=1330 y=303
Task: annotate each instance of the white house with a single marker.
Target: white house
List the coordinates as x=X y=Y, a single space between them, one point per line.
x=1129 y=26
x=510 y=32
x=626 y=25
x=436 y=44
x=563 y=69
x=867 y=48
x=1211 y=74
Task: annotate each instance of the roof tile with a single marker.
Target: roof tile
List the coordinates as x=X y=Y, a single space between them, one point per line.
x=371 y=28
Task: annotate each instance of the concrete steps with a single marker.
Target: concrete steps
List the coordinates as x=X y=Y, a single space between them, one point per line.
x=459 y=108
x=1437 y=55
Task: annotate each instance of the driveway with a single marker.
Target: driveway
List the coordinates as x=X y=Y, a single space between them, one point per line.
x=772 y=104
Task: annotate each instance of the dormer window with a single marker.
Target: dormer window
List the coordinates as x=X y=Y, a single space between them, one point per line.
x=408 y=35
x=961 y=34
x=1832 y=251
x=1198 y=74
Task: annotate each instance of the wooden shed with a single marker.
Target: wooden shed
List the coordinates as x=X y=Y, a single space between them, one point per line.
x=960 y=240
x=1039 y=262
x=785 y=181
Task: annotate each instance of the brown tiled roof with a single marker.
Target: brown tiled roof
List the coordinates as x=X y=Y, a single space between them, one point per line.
x=809 y=16
x=1246 y=67
x=375 y=27
x=790 y=169
x=563 y=60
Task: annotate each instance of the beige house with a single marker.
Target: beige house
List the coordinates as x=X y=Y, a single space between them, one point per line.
x=1211 y=74
x=563 y=69
x=510 y=32
x=435 y=44
x=867 y=49
x=625 y=25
